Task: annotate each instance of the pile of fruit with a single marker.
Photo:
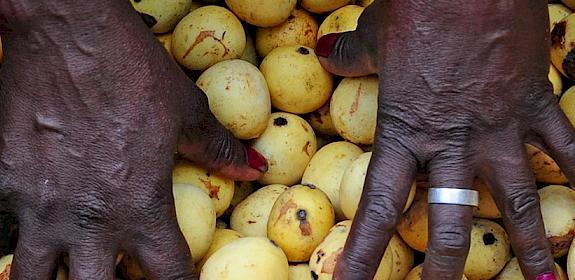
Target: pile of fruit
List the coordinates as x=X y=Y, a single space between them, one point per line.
x=256 y=63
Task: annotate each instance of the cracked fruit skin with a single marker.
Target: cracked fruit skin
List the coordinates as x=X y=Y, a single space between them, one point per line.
x=300 y=218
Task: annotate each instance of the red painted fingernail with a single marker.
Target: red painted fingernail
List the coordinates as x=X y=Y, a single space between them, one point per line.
x=325 y=44
x=256 y=160
x=546 y=276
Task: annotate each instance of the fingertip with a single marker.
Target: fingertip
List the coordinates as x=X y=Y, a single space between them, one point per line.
x=255 y=160
x=324 y=45
x=240 y=173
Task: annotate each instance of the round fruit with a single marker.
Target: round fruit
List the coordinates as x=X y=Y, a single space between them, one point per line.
x=558 y=216
x=562 y=44
x=166 y=41
x=402 y=257
x=207 y=36
x=222 y=237
x=299 y=271
x=557 y=12
x=299 y=29
x=352 y=185
x=364 y=3
x=196 y=218
x=250 y=54
x=353 y=109
x=342 y=20
x=544 y=167
x=5 y=264
x=567 y=104
x=326 y=170
x=246 y=258
x=238 y=96
x=219 y=189
x=250 y=217
x=288 y=143
x=415 y=273
x=296 y=80
x=512 y=271
x=242 y=191
x=300 y=218
x=321 y=122
x=262 y=13
x=162 y=15
x=413 y=225
x=487 y=207
x=489 y=250
x=555 y=79
x=322 y=6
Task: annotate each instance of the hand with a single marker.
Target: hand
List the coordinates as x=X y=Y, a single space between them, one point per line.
x=92 y=111
x=462 y=87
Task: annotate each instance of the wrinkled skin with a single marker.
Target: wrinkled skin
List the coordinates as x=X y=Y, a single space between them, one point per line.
x=463 y=85
x=92 y=113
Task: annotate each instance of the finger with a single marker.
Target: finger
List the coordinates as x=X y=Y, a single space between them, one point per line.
x=559 y=136
x=389 y=178
x=163 y=251
x=509 y=176
x=92 y=260
x=449 y=224
x=352 y=53
x=209 y=144
x=34 y=258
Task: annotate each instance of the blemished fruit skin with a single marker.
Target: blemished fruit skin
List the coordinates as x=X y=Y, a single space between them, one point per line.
x=250 y=217
x=206 y=36
x=558 y=217
x=5 y=266
x=321 y=122
x=415 y=273
x=512 y=271
x=297 y=82
x=489 y=251
x=342 y=20
x=238 y=97
x=262 y=13
x=557 y=12
x=300 y=219
x=288 y=143
x=163 y=15
x=322 y=6
x=544 y=167
x=247 y=258
x=562 y=44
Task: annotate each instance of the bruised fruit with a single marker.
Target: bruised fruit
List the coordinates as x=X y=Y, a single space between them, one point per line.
x=415 y=273
x=322 y=6
x=544 y=167
x=562 y=44
x=250 y=217
x=353 y=109
x=160 y=15
x=413 y=225
x=297 y=82
x=487 y=207
x=567 y=104
x=342 y=20
x=299 y=29
x=222 y=237
x=326 y=170
x=262 y=13
x=196 y=218
x=207 y=36
x=321 y=122
x=300 y=218
x=5 y=265
x=489 y=250
x=512 y=271
x=247 y=258
x=238 y=96
x=288 y=143
x=299 y=271
x=219 y=189
x=558 y=217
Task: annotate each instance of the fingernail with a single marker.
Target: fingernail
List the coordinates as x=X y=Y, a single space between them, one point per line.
x=325 y=44
x=546 y=276
x=256 y=160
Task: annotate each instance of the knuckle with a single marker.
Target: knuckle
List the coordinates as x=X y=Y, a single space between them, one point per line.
x=522 y=205
x=382 y=210
x=450 y=239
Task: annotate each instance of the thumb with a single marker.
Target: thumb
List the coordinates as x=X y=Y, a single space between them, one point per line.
x=208 y=144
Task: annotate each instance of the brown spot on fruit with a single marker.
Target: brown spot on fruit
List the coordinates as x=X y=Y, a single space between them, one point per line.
x=304 y=127
x=330 y=262
x=303 y=50
x=280 y=121
x=251 y=222
x=305 y=147
x=558 y=34
x=569 y=64
x=489 y=239
x=355 y=104
x=4 y=275
x=305 y=228
x=314 y=275
x=207 y=34
x=320 y=254
x=311 y=186
x=213 y=190
x=286 y=207
x=560 y=244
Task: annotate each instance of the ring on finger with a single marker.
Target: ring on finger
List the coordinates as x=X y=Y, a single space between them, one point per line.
x=455 y=196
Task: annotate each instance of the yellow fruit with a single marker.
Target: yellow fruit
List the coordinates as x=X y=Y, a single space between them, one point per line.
x=413 y=225
x=242 y=191
x=164 y=14
x=558 y=216
x=352 y=183
x=402 y=258
x=353 y=109
x=487 y=207
x=365 y=3
x=250 y=217
x=321 y=122
x=288 y=143
x=250 y=54
x=5 y=264
x=222 y=237
x=342 y=20
x=196 y=218
x=326 y=170
x=207 y=36
x=219 y=189
x=247 y=258
x=166 y=41
x=322 y=6
x=415 y=273
x=299 y=271
x=570 y=261
x=544 y=167
x=238 y=96
x=299 y=29
x=567 y=104
x=489 y=250
x=297 y=82
x=262 y=13
x=300 y=218
x=562 y=43
x=555 y=79
x=512 y=271
x=557 y=12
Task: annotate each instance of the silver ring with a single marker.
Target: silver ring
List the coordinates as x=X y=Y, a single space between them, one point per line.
x=453 y=196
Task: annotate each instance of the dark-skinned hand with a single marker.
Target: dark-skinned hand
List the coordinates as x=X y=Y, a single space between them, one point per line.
x=92 y=110
x=463 y=85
